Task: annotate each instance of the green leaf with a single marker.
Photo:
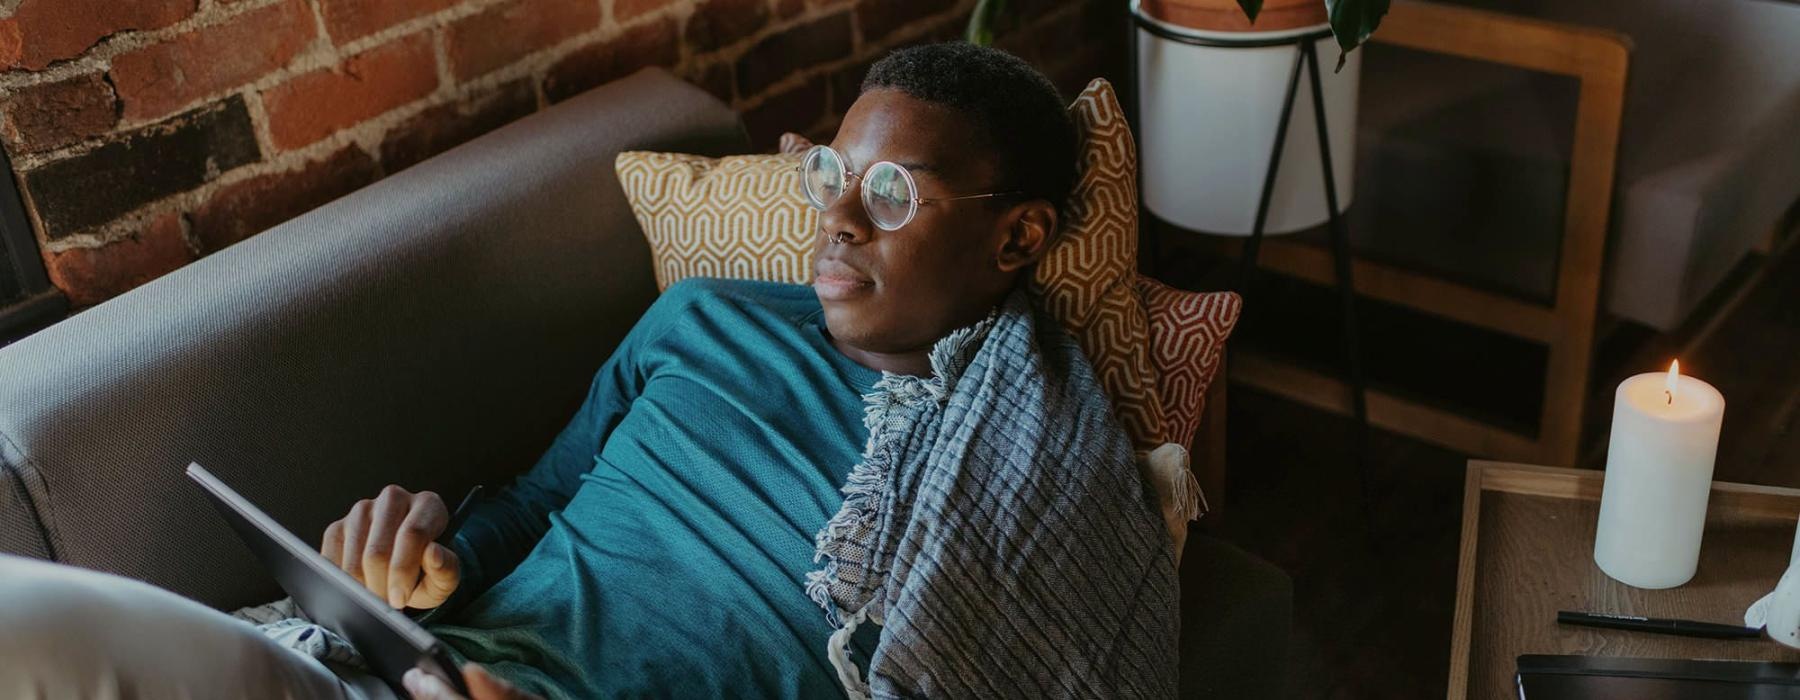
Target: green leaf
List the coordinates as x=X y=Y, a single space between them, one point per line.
x=1251 y=8
x=981 y=22
x=1352 y=21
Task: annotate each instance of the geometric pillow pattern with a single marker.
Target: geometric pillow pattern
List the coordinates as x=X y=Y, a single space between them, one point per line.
x=737 y=217
x=1154 y=348
x=1187 y=342
x=1087 y=278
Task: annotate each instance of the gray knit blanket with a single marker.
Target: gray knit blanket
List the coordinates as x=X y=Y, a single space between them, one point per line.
x=999 y=532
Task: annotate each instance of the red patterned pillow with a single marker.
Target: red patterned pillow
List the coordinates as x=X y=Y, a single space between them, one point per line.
x=1187 y=339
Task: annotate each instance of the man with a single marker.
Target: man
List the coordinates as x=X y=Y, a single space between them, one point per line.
x=663 y=543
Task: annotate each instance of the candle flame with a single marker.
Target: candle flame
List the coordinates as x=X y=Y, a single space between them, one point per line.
x=1674 y=374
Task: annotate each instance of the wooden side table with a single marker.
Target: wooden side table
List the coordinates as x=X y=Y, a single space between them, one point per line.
x=1527 y=552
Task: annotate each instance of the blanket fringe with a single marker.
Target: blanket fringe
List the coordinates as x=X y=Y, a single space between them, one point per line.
x=838 y=650
x=888 y=414
x=1182 y=499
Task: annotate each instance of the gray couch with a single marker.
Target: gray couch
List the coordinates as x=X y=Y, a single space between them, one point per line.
x=434 y=330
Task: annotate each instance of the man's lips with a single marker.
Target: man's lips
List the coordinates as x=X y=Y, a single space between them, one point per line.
x=837 y=281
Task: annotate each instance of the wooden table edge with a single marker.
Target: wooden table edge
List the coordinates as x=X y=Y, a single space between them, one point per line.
x=1464 y=617
x=1557 y=482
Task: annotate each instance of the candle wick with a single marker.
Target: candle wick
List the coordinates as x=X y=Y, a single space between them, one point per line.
x=1671 y=396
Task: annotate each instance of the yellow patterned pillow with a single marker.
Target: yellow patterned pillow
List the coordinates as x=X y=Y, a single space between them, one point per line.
x=739 y=217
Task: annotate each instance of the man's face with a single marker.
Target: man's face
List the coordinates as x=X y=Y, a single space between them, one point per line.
x=900 y=291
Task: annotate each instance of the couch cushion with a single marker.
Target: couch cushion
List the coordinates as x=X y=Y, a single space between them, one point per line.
x=434 y=329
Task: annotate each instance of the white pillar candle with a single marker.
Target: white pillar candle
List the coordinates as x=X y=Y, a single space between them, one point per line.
x=1659 y=465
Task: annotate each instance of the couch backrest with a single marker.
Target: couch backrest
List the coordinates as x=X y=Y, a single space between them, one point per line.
x=434 y=329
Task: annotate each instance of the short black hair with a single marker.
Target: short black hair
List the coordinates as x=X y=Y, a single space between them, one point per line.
x=1014 y=106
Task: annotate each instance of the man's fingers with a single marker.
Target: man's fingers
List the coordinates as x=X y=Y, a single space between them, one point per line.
x=442 y=574
x=384 y=524
x=484 y=686
x=424 y=519
x=355 y=530
x=332 y=544
x=425 y=686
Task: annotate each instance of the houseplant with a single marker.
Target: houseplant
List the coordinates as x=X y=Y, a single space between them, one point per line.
x=1213 y=81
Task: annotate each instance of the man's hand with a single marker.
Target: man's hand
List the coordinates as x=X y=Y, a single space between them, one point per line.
x=795 y=143
x=387 y=544
x=424 y=686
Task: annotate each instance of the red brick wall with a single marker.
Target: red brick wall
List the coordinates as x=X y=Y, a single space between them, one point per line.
x=147 y=133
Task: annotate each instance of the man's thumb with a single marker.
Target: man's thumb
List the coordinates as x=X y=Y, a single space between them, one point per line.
x=484 y=686
x=442 y=574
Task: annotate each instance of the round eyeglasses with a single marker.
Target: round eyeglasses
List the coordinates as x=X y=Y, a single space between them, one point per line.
x=889 y=193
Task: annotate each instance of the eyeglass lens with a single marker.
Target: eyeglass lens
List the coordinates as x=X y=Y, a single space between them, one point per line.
x=822 y=177
x=887 y=193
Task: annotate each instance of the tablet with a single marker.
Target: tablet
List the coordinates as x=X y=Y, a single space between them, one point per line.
x=1558 y=677
x=389 y=641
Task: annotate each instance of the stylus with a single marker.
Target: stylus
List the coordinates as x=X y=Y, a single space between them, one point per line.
x=1685 y=628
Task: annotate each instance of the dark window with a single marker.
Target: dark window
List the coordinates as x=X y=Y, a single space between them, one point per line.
x=26 y=299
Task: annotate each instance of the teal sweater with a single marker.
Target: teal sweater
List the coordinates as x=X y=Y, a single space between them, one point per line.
x=660 y=546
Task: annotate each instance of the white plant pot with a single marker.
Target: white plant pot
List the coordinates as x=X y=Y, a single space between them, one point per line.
x=1207 y=119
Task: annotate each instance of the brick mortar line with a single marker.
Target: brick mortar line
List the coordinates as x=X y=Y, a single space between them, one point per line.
x=440 y=54
x=321 y=33
x=108 y=47
x=606 y=14
x=259 y=126
x=188 y=236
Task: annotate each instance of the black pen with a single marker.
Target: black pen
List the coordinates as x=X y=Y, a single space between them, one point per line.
x=458 y=516
x=1685 y=628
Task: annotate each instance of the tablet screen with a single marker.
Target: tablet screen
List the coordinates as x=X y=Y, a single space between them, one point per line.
x=391 y=642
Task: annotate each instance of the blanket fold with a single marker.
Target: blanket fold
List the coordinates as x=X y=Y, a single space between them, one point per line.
x=999 y=531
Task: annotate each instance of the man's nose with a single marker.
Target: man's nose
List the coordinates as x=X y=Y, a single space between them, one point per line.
x=845 y=220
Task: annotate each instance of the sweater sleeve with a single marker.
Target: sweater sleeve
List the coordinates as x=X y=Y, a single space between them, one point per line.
x=501 y=530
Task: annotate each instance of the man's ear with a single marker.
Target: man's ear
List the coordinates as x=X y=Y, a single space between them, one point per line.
x=1028 y=236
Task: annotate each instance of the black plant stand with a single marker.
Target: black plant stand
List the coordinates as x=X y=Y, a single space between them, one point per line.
x=1306 y=55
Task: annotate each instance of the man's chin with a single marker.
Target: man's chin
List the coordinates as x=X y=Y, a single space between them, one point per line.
x=850 y=322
